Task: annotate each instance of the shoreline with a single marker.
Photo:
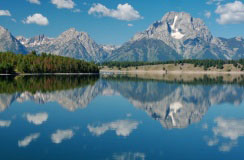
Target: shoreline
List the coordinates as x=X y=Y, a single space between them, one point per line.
x=39 y=74
x=159 y=72
x=168 y=72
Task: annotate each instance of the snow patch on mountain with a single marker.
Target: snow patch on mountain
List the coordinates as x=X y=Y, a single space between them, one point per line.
x=175 y=31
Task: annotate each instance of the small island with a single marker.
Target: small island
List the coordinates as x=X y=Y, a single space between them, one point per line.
x=44 y=63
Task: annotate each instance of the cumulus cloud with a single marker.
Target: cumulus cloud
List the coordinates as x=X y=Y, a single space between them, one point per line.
x=121 y=127
x=130 y=25
x=5 y=123
x=212 y=141
x=207 y=14
x=226 y=147
x=69 y=4
x=230 y=13
x=5 y=13
x=36 y=18
x=205 y=126
x=229 y=128
x=27 y=140
x=34 y=1
x=37 y=119
x=214 y=2
x=129 y=156
x=123 y=12
x=13 y=19
x=128 y=115
x=76 y=10
x=61 y=135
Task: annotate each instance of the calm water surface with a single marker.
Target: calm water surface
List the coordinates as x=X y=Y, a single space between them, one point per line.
x=120 y=118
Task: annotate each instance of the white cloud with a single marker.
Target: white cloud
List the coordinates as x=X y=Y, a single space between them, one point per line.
x=5 y=13
x=214 y=2
x=212 y=142
x=5 y=123
x=230 y=13
x=226 y=147
x=205 y=126
x=37 y=119
x=123 y=12
x=128 y=115
x=229 y=128
x=76 y=10
x=121 y=127
x=130 y=25
x=61 y=135
x=27 y=140
x=69 y=4
x=207 y=14
x=129 y=156
x=34 y=1
x=36 y=18
x=13 y=19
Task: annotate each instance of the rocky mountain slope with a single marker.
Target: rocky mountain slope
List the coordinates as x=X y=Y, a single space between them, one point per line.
x=234 y=46
x=188 y=36
x=144 y=50
x=9 y=43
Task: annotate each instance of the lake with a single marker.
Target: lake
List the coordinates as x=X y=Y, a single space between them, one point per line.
x=122 y=117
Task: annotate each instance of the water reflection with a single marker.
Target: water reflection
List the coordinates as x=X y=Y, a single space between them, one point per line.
x=129 y=156
x=229 y=130
x=27 y=140
x=4 y=123
x=174 y=105
x=36 y=119
x=61 y=135
x=180 y=106
x=121 y=127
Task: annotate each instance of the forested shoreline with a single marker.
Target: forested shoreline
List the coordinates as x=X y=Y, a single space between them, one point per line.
x=33 y=63
x=11 y=63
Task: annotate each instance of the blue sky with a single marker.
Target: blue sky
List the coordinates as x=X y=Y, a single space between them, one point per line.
x=107 y=24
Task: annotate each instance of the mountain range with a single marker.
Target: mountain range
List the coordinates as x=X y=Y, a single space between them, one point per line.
x=176 y=36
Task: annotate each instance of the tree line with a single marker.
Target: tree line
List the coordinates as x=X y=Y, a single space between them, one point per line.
x=207 y=63
x=11 y=63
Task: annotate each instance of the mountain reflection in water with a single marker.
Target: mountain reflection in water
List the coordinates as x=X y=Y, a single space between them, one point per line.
x=174 y=105
x=177 y=102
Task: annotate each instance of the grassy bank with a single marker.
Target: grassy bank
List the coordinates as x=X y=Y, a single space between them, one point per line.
x=191 y=66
